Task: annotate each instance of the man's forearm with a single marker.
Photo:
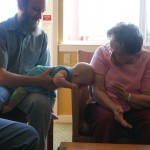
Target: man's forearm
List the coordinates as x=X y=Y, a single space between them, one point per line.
x=12 y=80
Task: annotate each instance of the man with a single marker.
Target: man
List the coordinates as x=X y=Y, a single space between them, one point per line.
x=22 y=46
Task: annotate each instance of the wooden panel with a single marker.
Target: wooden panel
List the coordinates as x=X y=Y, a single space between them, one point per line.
x=98 y=146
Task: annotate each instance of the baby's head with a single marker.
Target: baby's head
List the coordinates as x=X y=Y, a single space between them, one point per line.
x=82 y=74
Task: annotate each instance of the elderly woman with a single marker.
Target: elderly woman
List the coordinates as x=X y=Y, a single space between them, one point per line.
x=122 y=87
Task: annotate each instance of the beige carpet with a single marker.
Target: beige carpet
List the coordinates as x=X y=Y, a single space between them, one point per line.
x=62 y=133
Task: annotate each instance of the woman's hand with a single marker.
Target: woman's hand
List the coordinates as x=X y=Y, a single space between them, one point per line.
x=102 y=98
x=119 y=90
x=118 y=112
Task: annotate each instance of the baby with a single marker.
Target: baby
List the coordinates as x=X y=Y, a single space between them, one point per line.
x=80 y=75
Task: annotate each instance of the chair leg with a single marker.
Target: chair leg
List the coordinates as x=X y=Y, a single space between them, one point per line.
x=50 y=137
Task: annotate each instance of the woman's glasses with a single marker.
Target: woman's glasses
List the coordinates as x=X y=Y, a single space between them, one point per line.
x=115 y=52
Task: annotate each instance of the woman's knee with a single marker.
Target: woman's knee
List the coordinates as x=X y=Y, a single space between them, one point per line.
x=95 y=112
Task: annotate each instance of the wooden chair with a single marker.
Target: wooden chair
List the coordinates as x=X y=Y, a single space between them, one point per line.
x=17 y=115
x=79 y=98
x=81 y=130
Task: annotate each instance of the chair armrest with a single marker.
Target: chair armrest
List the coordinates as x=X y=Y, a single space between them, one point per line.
x=79 y=99
x=75 y=111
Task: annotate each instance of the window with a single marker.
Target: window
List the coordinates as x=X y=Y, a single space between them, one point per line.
x=7 y=10
x=89 y=20
x=148 y=21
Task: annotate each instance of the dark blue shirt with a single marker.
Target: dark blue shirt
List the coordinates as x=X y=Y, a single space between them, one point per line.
x=20 y=51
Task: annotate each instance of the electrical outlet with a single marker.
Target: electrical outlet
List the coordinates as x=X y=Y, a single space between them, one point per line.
x=67 y=58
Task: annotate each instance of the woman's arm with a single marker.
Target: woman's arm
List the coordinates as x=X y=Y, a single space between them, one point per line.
x=13 y=80
x=100 y=94
x=101 y=97
x=140 y=101
x=136 y=100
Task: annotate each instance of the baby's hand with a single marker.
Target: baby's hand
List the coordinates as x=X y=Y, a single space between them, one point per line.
x=74 y=86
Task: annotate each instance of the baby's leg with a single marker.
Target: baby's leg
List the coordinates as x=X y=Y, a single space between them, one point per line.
x=19 y=94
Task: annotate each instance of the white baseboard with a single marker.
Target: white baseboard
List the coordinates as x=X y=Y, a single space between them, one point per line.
x=64 y=119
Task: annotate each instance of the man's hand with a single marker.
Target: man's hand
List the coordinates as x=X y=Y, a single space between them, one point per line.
x=46 y=81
